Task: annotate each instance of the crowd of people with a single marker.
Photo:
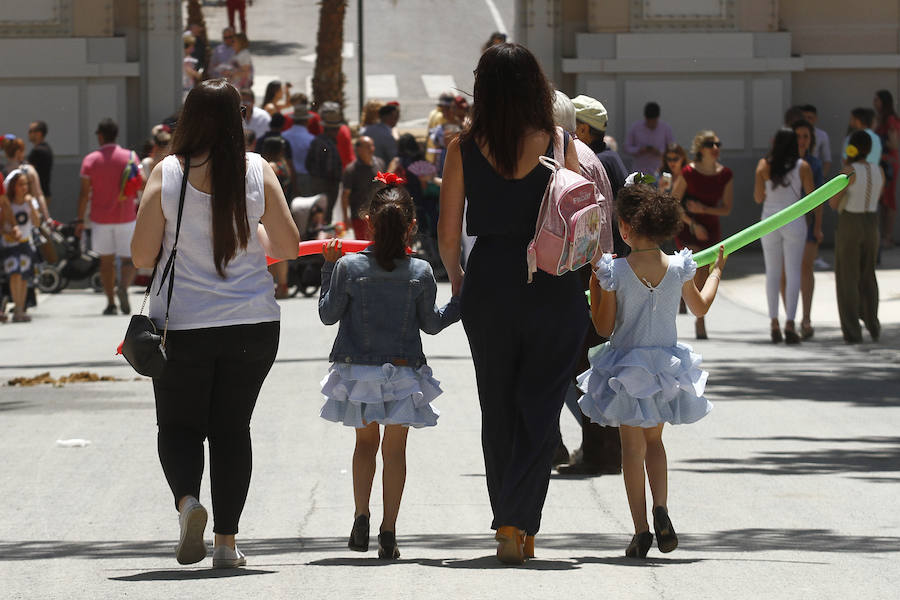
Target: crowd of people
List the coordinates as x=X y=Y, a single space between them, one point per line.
x=477 y=173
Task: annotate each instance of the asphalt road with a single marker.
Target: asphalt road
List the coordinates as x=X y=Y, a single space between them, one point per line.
x=787 y=490
x=413 y=49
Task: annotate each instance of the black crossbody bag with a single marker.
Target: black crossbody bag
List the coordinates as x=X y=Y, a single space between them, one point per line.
x=144 y=348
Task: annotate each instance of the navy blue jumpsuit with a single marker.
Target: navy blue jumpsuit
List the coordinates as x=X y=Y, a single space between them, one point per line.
x=525 y=338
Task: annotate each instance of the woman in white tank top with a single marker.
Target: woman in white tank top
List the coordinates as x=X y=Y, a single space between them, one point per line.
x=223 y=321
x=782 y=178
x=856 y=242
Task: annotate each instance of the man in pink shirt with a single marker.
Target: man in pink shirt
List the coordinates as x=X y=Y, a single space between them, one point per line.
x=647 y=140
x=113 y=213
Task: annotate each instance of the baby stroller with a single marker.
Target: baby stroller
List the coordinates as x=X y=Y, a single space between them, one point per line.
x=305 y=272
x=72 y=263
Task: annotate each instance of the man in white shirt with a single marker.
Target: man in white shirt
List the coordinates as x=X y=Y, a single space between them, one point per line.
x=822 y=150
x=647 y=140
x=255 y=118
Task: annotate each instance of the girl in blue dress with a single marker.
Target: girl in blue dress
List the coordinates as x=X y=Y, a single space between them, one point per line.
x=378 y=376
x=643 y=377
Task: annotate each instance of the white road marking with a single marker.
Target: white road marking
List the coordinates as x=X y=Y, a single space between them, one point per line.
x=435 y=84
x=381 y=86
x=309 y=87
x=498 y=20
x=348 y=51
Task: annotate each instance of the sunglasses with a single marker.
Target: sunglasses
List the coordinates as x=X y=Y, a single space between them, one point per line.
x=243 y=111
x=710 y=144
x=228 y=37
x=673 y=158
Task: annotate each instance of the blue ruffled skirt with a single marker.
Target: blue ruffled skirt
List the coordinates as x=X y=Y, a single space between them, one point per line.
x=643 y=387
x=357 y=395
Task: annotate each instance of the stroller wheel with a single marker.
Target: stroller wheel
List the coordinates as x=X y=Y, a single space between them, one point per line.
x=49 y=280
x=97 y=282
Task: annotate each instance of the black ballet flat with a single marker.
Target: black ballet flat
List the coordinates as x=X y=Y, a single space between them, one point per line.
x=776 y=335
x=640 y=545
x=359 y=535
x=790 y=337
x=666 y=540
x=387 y=546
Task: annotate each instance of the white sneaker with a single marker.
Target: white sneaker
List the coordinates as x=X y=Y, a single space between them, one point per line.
x=192 y=520
x=225 y=557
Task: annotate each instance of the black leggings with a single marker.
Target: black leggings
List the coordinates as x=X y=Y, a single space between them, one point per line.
x=209 y=390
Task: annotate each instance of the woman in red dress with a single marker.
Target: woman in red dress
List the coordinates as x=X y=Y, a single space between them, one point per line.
x=706 y=189
x=889 y=130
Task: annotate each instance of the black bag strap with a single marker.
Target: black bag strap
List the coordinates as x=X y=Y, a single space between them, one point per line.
x=169 y=269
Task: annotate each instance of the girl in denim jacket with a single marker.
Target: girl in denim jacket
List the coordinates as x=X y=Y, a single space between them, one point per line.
x=378 y=374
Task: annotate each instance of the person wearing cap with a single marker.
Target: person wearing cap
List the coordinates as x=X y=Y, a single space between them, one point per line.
x=440 y=115
x=323 y=160
x=647 y=140
x=112 y=214
x=591 y=119
x=255 y=119
x=382 y=132
x=299 y=139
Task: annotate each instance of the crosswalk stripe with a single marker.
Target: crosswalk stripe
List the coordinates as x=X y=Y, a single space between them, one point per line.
x=435 y=84
x=381 y=86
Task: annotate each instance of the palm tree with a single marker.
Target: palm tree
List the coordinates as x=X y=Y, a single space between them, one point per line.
x=328 y=77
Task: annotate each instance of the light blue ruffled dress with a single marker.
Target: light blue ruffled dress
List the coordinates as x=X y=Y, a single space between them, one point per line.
x=643 y=376
x=356 y=395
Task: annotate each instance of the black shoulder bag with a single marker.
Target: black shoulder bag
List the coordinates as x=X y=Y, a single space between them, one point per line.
x=144 y=348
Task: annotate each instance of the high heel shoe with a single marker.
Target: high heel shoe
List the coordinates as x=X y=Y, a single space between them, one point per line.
x=528 y=547
x=776 y=335
x=359 y=535
x=639 y=545
x=666 y=540
x=510 y=546
x=387 y=546
x=806 y=331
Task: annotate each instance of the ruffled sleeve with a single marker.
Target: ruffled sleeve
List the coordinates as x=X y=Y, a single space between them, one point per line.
x=688 y=268
x=606 y=274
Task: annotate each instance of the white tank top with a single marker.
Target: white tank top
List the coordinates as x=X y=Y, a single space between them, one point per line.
x=865 y=190
x=22 y=216
x=201 y=298
x=781 y=196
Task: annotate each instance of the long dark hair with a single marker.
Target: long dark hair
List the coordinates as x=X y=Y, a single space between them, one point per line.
x=391 y=212
x=211 y=121
x=783 y=156
x=271 y=90
x=887 y=105
x=512 y=96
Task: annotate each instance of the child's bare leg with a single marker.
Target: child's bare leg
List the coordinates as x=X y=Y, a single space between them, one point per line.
x=393 y=453
x=18 y=289
x=657 y=470
x=634 y=449
x=364 y=454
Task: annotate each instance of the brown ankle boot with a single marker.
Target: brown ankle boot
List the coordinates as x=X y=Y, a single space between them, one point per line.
x=509 y=548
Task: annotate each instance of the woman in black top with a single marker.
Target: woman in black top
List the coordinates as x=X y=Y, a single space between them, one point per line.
x=525 y=338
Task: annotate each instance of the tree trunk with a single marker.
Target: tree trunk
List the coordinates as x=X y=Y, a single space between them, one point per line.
x=328 y=77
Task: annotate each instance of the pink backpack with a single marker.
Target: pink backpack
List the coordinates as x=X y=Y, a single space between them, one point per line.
x=567 y=232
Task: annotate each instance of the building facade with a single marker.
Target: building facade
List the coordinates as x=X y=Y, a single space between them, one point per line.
x=72 y=63
x=733 y=66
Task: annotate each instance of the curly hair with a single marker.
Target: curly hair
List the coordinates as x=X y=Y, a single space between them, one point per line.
x=650 y=212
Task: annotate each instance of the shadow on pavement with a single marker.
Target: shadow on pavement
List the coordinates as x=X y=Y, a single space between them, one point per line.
x=482 y=562
x=883 y=456
x=274 y=47
x=190 y=574
x=732 y=540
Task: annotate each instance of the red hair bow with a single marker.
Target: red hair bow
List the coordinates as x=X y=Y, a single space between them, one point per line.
x=390 y=179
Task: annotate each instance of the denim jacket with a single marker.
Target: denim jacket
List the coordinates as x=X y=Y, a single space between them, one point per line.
x=381 y=312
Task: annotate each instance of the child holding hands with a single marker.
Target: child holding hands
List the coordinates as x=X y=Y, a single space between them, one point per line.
x=643 y=377
x=378 y=375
